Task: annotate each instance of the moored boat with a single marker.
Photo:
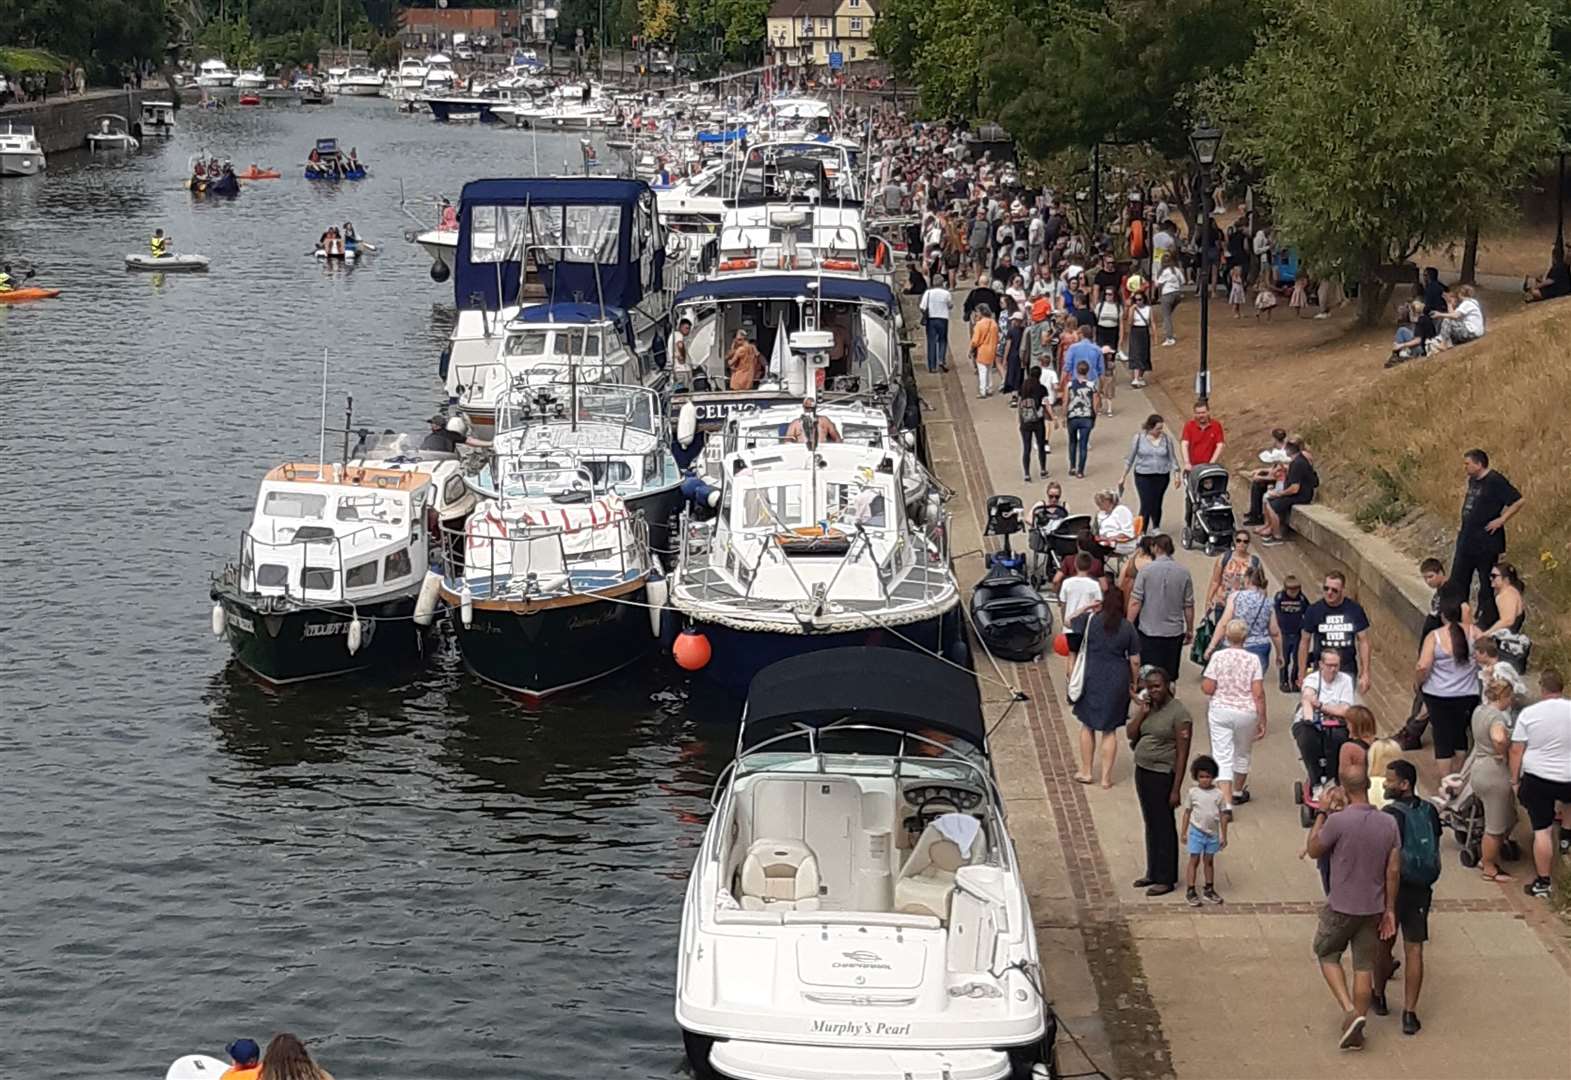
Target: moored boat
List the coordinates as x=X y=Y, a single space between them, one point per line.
x=158 y=118
x=20 y=153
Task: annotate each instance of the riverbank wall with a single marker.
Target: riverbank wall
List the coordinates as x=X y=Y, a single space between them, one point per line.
x=62 y=123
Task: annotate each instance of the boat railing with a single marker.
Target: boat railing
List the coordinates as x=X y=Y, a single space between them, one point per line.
x=498 y=557
x=301 y=558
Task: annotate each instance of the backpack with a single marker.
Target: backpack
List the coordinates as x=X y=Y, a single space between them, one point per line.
x=1420 y=841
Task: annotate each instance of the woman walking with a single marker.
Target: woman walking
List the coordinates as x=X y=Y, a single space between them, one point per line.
x=1448 y=677
x=1490 y=773
x=1139 y=349
x=1112 y=670
x=1153 y=459
x=1234 y=680
x=1170 y=293
x=1230 y=572
x=1033 y=415
x=1160 y=732
x=1251 y=606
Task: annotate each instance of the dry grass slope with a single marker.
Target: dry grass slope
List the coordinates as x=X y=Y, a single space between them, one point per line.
x=1391 y=456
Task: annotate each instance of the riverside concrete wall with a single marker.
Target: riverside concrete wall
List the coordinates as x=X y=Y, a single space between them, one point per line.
x=62 y=123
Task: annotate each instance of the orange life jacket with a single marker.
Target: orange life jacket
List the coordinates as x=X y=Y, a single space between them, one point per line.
x=242 y=1072
x=1137 y=239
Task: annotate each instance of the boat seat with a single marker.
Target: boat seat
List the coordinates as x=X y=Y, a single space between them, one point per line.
x=927 y=880
x=779 y=875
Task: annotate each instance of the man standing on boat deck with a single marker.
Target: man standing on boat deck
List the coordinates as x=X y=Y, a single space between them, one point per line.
x=447 y=435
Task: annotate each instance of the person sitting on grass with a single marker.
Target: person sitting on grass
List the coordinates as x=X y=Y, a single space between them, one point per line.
x=1556 y=283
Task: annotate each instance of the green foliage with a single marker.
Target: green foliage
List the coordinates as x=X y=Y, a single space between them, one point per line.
x=101 y=35
x=944 y=45
x=1381 y=125
x=229 y=40
x=30 y=62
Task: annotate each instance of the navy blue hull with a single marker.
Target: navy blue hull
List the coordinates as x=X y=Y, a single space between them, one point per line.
x=311 y=643
x=737 y=655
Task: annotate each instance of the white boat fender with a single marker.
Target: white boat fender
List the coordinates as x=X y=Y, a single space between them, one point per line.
x=466 y=605
x=714 y=498
x=353 y=637
x=218 y=619
x=425 y=602
x=196 y=1067
x=656 y=590
x=686 y=424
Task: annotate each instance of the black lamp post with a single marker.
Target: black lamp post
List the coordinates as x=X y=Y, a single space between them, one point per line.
x=1204 y=142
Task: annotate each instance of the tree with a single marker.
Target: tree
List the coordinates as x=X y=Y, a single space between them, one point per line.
x=944 y=46
x=1379 y=127
x=657 y=20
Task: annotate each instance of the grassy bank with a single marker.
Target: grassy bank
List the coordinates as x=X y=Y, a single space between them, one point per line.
x=1388 y=443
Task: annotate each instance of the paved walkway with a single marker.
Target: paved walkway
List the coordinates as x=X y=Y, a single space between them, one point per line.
x=1154 y=987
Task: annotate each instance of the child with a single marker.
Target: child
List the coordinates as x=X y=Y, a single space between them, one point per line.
x=1235 y=291
x=247 y=1057
x=1299 y=301
x=1290 y=604
x=1265 y=300
x=1204 y=828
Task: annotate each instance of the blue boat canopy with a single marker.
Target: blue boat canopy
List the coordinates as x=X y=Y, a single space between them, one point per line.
x=729 y=135
x=568 y=313
x=587 y=240
x=790 y=287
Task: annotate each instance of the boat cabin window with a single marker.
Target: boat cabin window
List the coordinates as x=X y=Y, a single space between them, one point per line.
x=772 y=507
x=369 y=507
x=272 y=576
x=294 y=504
x=608 y=472
x=397 y=565
x=358 y=577
x=527 y=343
x=576 y=343
x=317 y=577
x=497 y=233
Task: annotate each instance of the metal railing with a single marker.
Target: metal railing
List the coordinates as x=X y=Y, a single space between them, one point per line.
x=500 y=554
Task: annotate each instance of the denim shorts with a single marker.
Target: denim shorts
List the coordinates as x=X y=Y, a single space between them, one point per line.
x=1202 y=843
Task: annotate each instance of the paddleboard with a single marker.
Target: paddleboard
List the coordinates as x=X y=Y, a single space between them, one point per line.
x=169 y=264
x=196 y=1067
x=18 y=296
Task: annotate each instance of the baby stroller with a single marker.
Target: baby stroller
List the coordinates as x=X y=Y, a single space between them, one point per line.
x=1462 y=812
x=1208 y=512
x=1052 y=542
x=1010 y=616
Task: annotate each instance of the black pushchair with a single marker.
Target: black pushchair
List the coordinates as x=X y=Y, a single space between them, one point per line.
x=1052 y=542
x=1208 y=512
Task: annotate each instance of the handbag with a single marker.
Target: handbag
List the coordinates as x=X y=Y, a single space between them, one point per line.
x=1077 y=675
x=1203 y=635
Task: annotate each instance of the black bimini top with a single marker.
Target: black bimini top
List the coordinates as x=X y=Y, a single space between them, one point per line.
x=893 y=688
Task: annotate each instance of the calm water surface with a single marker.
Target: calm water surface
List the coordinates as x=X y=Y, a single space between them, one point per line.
x=418 y=877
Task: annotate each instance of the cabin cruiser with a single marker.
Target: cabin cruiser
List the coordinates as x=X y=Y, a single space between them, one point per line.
x=410 y=78
x=440 y=78
x=20 y=154
x=216 y=73
x=481 y=102
x=552 y=581
x=111 y=132
x=593 y=244
x=857 y=907
x=158 y=118
x=619 y=433
x=572 y=107
x=330 y=564
x=360 y=82
x=255 y=79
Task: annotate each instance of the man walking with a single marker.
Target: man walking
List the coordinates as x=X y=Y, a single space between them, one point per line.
x=1490 y=502
x=935 y=304
x=1418 y=838
x=1541 y=770
x=1335 y=622
x=1360 y=909
x=1162 y=607
x=1202 y=440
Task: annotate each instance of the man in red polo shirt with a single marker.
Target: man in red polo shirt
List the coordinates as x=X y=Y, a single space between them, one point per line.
x=1202 y=439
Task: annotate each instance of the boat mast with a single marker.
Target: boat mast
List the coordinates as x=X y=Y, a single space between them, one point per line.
x=321 y=449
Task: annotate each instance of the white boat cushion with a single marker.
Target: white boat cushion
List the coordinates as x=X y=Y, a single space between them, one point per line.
x=779 y=875
x=927 y=880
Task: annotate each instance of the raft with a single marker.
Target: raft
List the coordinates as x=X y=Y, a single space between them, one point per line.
x=254 y=173
x=169 y=264
x=19 y=296
x=312 y=173
x=348 y=255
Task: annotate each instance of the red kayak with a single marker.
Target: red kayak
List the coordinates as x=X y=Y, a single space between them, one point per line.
x=250 y=99
x=18 y=296
x=253 y=173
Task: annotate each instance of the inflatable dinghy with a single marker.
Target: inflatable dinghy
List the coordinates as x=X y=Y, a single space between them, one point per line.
x=168 y=264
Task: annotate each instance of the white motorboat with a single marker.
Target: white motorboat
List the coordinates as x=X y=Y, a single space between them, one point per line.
x=410 y=78
x=331 y=564
x=158 y=118
x=440 y=78
x=213 y=74
x=254 y=79
x=111 y=132
x=360 y=82
x=571 y=107
x=20 y=154
x=167 y=264
x=856 y=908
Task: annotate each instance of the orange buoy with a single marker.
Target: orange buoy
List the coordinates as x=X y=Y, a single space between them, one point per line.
x=691 y=650
x=1061 y=645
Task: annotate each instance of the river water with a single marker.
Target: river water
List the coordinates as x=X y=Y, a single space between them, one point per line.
x=414 y=875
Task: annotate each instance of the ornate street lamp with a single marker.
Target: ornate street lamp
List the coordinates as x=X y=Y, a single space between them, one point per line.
x=1204 y=141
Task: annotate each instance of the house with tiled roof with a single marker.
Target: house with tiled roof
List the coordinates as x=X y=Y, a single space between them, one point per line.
x=807 y=31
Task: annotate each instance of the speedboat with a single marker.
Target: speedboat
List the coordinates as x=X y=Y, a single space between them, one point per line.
x=215 y=73
x=158 y=118
x=571 y=107
x=410 y=78
x=856 y=908
x=617 y=432
x=254 y=79
x=360 y=82
x=20 y=154
x=111 y=132
x=330 y=566
x=552 y=581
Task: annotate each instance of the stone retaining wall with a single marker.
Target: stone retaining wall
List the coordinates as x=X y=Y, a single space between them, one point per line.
x=63 y=123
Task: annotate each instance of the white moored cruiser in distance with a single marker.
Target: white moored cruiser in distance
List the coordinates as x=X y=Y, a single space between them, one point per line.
x=214 y=73
x=360 y=82
x=856 y=909
x=410 y=78
x=254 y=79
x=20 y=154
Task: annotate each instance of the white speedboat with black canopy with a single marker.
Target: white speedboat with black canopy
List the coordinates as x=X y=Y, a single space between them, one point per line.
x=856 y=908
x=561 y=245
